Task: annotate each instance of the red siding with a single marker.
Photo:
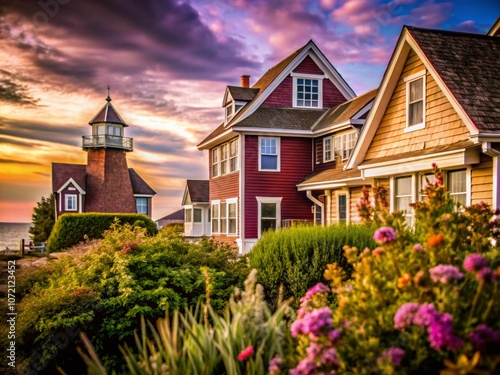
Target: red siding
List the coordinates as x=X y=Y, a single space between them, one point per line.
x=295 y=165
x=320 y=165
x=331 y=95
x=282 y=95
x=225 y=187
x=308 y=66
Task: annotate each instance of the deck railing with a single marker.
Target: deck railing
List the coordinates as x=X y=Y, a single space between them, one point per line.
x=91 y=141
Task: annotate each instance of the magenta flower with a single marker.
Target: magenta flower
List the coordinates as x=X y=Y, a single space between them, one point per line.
x=305 y=367
x=314 y=350
x=484 y=338
x=245 y=353
x=314 y=324
x=474 y=262
x=393 y=354
x=275 y=365
x=334 y=336
x=329 y=357
x=444 y=273
x=384 y=235
x=441 y=333
x=318 y=288
x=425 y=315
x=405 y=314
x=485 y=275
x=418 y=247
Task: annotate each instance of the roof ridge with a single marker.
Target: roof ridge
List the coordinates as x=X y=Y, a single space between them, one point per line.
x=451 y=32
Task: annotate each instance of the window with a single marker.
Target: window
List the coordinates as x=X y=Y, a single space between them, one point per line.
x=457 y=186
x=344 y=144
x=223 y=218
x=229 y=111
x=215 y=162
x=233 y=156
x=327 y=149
x=425 y=179
x=231 y=218
x=415 y=101
x=318 y=216
x=215 y=217
x=115 y=130
x=342 y=208
x=188 y=217
x=223 y=159
x=141 y=205
x=269 y=154
x=269 y=214
x=197 y=215
x=71 y=202
x=403 y=196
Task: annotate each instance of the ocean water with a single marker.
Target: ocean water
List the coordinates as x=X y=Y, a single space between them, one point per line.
x=12 y=233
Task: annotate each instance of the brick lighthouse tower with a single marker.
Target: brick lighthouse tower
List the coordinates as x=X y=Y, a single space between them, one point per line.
x=109 y=188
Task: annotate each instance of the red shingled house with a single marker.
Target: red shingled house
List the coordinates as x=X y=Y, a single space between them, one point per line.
x=105 y=184
x=271 y=139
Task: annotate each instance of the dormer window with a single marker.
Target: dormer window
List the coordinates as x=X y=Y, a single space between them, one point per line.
x=415 y=101
x=231 y=110
x=307 y=90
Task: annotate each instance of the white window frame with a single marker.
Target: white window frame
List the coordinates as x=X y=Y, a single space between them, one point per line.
x=340 y=143
x=215 y=162
x=277 y=201
x=233 y=158
x=224 y=159
x=278 y=154
x=188 y=215
x=330 y=156
x=74 y=198
x=409 y=213
x=232 y=201
x=408 y=80
x=467 y=191
x=317 y=77
x=423 y=183
x=215 y=203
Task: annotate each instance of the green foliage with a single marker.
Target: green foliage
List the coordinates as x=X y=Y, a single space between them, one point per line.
x=71 y=229
x=126 y=276
x=296 y=258
x=243 y=340
x=43 y=219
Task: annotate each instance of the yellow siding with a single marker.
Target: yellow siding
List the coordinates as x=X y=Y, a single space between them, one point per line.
x=443 y=125
x=482 y=181
x=356 y=194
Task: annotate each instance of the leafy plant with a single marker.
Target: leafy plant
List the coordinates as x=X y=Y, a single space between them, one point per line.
x=43 y=219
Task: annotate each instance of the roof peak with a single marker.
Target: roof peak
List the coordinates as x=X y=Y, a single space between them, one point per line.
x=108 y=99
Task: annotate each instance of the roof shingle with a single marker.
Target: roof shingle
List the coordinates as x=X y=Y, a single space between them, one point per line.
x=199 y=191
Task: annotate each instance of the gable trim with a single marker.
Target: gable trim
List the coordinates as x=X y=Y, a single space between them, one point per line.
x=73 y=182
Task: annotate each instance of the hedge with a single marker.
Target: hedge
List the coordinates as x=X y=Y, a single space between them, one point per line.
x=71 y=229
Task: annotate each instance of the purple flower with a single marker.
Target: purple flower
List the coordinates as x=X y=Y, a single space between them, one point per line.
x=393 y=354
x=334 y=335
x=441 y=333
x=275 y=365
x=314 y=323
x=305 y=367
x=329 y=357
x=418 y=247
x=384 y=235
x=484 y=338
x=485 y=275
x=404 y=316
x=425 y=315
x=474 y=262
x=444 y=273
x=318 y=288
x=314 y=350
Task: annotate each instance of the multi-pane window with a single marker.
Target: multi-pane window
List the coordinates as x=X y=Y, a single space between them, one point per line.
x=71 y=202
x=115 y=130
x=188 y=215
x=269 y=154
x=415 y=99
x=327 y=149
x=223 y=159
x=268 y=219
x=197 y=215
x=403 y=196
x=215 y=217
x=215 y=162
x=457 y=186
x=348 y=143
x=342 y=209
x=318 y=216
x=307 y=92
x=229 y=111
x=231 y=218
x=223 y=218
x=141 y=205
x=233 y=155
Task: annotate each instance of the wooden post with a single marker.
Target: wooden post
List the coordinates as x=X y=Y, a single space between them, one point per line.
x=22 y=247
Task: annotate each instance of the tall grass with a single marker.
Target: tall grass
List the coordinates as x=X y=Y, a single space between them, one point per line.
x=296 y=258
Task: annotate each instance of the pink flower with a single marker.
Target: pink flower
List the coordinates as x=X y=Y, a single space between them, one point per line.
x=444 y=273
x=314 y=324
x=384 y=235
x=418 y=247
x=305 y=367
x=275 y=365
x=245 y=353
x=405 y=314
x=318 y=288
x=394 y=355
x=474 y=262
x=485 y=275
x=377 y=251
x=441 y=333
x=425 y=315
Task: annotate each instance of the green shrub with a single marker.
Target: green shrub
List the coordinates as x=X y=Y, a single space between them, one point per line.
x=296 y=258
x=71 y=229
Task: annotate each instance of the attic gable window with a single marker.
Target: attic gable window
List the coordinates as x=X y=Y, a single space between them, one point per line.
x=231 y=109
x=307 y=90
x=415 y=101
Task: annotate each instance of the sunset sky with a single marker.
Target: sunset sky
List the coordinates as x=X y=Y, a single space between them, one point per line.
x=168 y=63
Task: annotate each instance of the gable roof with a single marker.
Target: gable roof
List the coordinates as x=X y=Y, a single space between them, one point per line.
x=198 y=191
x=174 y=216
x=329 y=178
x=274 y=76
x=107 y=114
x=241 y=93
x=464 y=66
x=495 y=28
x=62 y=173
x=139 y=186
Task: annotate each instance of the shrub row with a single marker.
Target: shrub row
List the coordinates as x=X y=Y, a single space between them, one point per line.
x=71 y=229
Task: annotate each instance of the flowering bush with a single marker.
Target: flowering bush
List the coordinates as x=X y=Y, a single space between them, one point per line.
x=425 y=301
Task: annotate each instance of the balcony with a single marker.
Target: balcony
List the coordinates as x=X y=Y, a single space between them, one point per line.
x=113 y=141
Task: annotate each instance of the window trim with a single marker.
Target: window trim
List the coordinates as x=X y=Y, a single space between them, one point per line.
x=332 y=151
x=147 y=205
x=260 y=200
x=278 y=154
x=340 y=140
x=215 y=151
x=408 y=80
x=229 y=202
x=233 y=157
x=413 y=193
x=468 y=188
x=227 y=161
x=66 y=201
x=319 y=77
x=212 y=217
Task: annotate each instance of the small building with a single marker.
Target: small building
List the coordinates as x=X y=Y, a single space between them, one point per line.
x=105 y=183
x=196 y=208
x=176 y=217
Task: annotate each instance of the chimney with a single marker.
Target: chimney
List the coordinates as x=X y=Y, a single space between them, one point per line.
x=245 y=81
